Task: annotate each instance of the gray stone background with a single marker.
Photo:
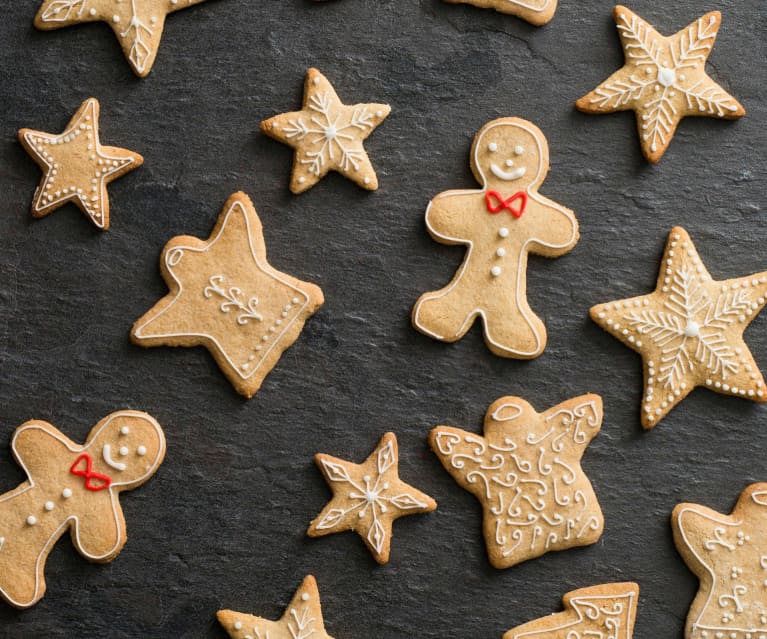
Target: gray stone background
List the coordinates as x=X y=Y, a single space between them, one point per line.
x=222 y=523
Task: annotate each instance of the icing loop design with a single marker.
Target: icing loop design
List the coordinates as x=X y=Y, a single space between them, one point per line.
x=232 y=299
x=83 y=467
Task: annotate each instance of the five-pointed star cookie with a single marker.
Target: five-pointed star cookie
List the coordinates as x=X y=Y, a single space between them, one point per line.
x=728 y=553
x=526 y=472
x=77 y=168
x=663 y=80
x=138 y=24
x=689 y=331
x=302 y=619
x=327 y=135
x=224 y=295
x=368 y=497
x=537 y=12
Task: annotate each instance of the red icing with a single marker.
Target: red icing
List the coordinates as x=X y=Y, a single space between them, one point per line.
x=93 y=481
x=495 y=203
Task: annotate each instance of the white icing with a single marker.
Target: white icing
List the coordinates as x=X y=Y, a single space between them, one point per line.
x=507 y=175
x=141 y=451
x=106 y=454
x=66 y=493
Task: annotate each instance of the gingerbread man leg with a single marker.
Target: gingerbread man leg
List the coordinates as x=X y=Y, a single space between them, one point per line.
x=512 y=329
x=446 y=314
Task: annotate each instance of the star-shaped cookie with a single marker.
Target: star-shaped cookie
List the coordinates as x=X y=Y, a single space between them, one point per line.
x=224 y=295
x=76 y=167
x=728 y=553
x=138 y=24
x=368 y=497
x=537 y=12
x=302 y=619
x=689 y=331
x=327 y=135
x=526 y=473
x=663 y=80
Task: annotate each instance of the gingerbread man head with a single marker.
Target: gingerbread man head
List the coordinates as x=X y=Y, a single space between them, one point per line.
x=509 y=154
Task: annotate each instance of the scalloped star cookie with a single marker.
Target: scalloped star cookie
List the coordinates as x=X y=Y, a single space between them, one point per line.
x=526 y=473
x=536 y=12
x=76 y=167
x=663 y=80
x=689 y=331
x=327 y=135
x=728 y=554
x=137 y=24
x=368 y=497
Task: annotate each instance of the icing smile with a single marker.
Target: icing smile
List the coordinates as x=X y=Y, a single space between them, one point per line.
x=106 y=453
x=507 y=175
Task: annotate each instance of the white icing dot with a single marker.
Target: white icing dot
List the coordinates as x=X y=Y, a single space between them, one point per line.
x=237 y=625
x=692 y=329
x=366 y=180
x=49 y=506
x=124 y=430
x=301 y=180
x=31 y=520
x=501 y=252
x=492 y=147
x=92 y=11
x=115 y=19
x=503 y=232
x=495 y=271
x=141 y=451
x=295 y=300
x=124 y=450
x=316 y=80
x=518 y=150
x=305 y=596
x=66 y=493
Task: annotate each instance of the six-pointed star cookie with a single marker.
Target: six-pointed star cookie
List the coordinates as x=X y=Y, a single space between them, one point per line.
x=526 y=472
x=728 y=553
x=327 y=135
x=368 y=497
x=77 y=168
x=689 y=331
x=138 y=24
x=663 y=80
x=224 y=295
x=537 y=12
x=607 y=610
x=302 y=619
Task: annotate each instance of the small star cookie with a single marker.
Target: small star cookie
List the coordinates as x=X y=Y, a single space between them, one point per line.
x=689 y=331
x=327 y=135
x=663 y=80
x=536 y=12
x=607 y=610
x=526 y=472
x=302 y=619
x=76 y=167
x=137 y=24
x=728 y=553
x=224 y=295
x=368 y=497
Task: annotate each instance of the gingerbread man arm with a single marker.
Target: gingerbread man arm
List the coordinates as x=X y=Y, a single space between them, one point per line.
x=35 y=444
x=560 y=232
x=448 y=217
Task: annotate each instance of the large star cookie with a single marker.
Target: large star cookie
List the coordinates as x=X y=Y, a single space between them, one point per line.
x=598 y=612
x=224 y=295
x=663 y=80
x=526 y=472
x=689 y=331
x=728 y=553
x=138 y=24
x=302 y=619
x=368 y=497
x=327 y=135
x=76 y=167
x=537 y=12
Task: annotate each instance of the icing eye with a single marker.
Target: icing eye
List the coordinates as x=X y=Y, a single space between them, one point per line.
x=492 y=147
x=518 y=150
x=509 y=163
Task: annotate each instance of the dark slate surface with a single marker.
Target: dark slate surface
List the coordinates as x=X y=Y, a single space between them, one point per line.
x=222 y=524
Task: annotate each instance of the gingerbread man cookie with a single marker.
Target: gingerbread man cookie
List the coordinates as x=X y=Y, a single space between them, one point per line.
x=500 y=224
x=537 y=12
x=71 y=487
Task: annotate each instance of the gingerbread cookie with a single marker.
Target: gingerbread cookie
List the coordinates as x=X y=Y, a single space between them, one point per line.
x=537 y=12
x=607 y=610
x=327 y=135
x=728 y=553
x=224 y=295
x=689 y=331
x=500 y=224
x=77 y=168
x=526 y=472
x=368 y=497
x=302 y=619
x=137 y=24
x=663 y=80
x=71 y=487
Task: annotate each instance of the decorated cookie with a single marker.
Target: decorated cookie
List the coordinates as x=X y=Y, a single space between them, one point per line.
x=302 y=619
x=499 y=224
x=327 y=135
x=526 y=473
x=71 y=487
x=537 y=12
x=76 y=167
x=663 y=80
x=368 y=497
x=605 y=611
x=138 y=24
x=728 y=553
x=225 y=296
x=689 y=331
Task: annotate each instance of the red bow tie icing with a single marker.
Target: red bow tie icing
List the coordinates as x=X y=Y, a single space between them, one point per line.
x=101 y=481
x=495 y=203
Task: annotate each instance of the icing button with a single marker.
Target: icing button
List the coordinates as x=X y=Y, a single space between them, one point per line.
x=495 y=271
